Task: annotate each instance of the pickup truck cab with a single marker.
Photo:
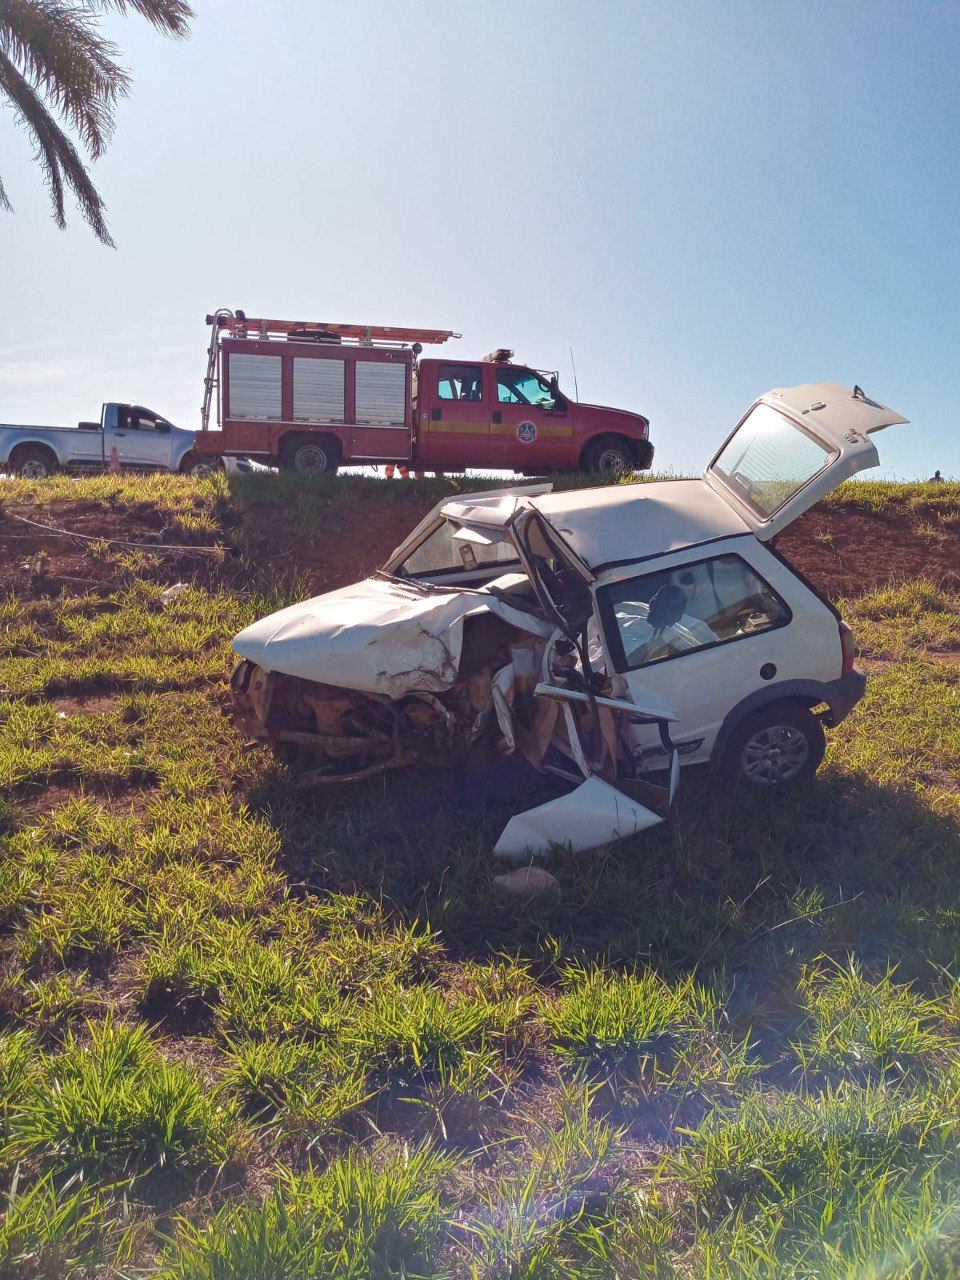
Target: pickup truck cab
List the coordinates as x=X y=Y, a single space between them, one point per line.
x=143 y=439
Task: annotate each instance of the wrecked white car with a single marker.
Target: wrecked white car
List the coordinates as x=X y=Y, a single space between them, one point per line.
x=603 y=634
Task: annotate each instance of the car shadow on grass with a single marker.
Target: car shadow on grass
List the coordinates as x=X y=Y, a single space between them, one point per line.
x=746 y=885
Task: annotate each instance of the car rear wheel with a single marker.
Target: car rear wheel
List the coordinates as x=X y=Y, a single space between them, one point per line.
x=34 y=463
x=609 y=455
x=773 y=747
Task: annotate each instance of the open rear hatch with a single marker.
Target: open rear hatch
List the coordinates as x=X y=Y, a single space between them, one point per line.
x=795 y=446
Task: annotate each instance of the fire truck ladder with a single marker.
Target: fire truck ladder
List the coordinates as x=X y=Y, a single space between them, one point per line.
x=220 y=318
x=237 y=324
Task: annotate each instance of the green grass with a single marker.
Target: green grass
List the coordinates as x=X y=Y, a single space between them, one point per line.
x=247 y=1031
x=108 y=1106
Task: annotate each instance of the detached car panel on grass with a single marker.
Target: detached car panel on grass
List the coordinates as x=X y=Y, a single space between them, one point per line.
x=606 y=635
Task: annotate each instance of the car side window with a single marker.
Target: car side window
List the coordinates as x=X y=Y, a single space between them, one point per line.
x=460 y=382
x=662 y=615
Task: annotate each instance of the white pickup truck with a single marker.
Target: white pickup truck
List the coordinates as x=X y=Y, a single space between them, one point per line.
x=144 y=441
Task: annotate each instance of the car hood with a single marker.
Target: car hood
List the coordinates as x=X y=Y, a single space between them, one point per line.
x=382 y=635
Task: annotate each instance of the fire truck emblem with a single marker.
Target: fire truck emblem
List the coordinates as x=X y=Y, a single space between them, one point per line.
x=527 y=432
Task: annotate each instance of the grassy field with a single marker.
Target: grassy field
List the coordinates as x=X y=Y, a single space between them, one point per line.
x=253 y=1032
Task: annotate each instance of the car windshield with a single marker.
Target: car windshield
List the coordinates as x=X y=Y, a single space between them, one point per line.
x=768 y=460
x=440 y=553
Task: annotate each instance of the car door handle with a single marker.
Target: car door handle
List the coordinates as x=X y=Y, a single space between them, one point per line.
x=497 y=415
x=434 y=415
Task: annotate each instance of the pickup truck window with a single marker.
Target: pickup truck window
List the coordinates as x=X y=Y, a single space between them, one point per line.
x=521 y=386
x=134 y=418
x=459 y=382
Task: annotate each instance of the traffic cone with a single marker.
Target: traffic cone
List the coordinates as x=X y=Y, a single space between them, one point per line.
x=114 y=464
x=388 y=470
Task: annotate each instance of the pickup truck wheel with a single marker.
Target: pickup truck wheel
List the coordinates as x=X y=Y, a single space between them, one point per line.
x=775 y=746
x=34 y=463
x=315 y=457
x=609 y=455
x=202 y=467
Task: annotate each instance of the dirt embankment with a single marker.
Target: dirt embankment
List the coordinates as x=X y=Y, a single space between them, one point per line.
x=277 y=539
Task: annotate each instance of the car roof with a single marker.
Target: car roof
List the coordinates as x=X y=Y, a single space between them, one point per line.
x=630 y=521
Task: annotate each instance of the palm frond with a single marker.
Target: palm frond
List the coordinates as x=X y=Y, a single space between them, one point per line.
x=55 y=151
x=57 y=48
x=170 y=16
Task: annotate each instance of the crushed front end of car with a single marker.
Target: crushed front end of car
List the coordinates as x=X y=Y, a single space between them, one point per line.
x=484 y=651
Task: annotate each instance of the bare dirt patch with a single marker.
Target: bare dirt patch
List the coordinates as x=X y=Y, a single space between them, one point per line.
x=81 y=706
x=842 y=550
x=846 y=553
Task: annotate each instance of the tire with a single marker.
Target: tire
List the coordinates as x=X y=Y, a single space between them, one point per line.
x=34 y=463
x=776 y=746
x=201 y=468
x=316 y=456
x=610 y=455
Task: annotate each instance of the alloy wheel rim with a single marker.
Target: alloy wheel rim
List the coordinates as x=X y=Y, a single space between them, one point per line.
x=34 y=470
x=774 y=755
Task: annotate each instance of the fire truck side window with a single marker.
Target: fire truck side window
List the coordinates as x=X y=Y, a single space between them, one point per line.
x=520 y=386
x=459 y=382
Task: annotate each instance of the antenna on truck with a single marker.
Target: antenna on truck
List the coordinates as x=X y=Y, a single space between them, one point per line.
x=576 y=389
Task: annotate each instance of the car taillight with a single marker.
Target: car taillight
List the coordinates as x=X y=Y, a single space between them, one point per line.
x=848 y=647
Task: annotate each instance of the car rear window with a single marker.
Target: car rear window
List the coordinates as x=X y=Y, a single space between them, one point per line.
x=768 y=459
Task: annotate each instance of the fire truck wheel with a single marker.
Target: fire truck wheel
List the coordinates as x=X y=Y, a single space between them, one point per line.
x=34 y=463
x=316 y=457
x=610 y=455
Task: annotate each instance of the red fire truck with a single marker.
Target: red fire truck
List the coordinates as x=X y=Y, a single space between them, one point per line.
x=313 y=397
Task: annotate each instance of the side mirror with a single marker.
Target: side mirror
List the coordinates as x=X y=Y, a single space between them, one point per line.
x=555 y=387
x=163 y=428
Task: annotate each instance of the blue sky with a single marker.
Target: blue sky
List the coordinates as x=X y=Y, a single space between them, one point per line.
x=704 y=201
